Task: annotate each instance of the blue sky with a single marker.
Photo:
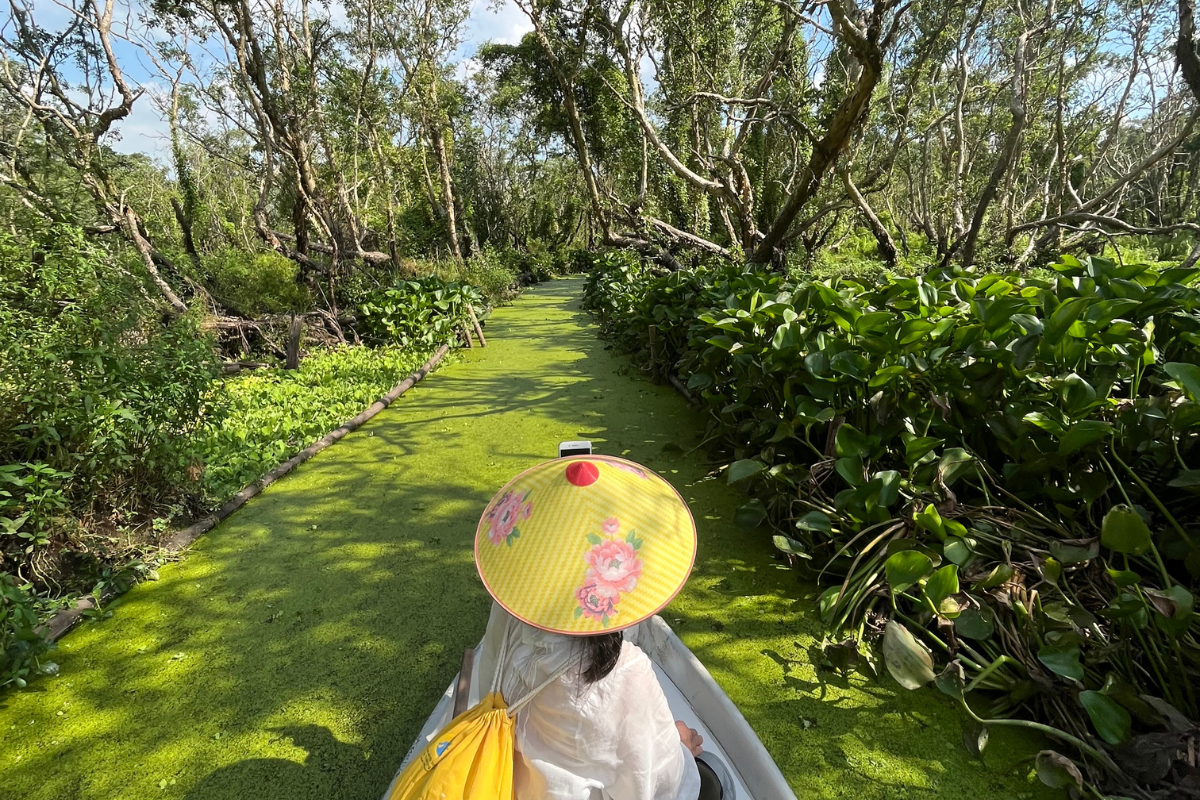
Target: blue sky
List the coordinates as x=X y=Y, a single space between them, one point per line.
x=145 y=131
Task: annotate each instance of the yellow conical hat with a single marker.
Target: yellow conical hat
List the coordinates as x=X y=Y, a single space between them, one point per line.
x=585 y=545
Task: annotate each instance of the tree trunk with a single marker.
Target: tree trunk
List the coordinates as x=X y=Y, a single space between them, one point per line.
x=185 y=226
x=293 y=345
x=839 y=127
x=1008 y=153
x=128 y=222
x=441 y=155
x=1185 y=46
x=887 y=247
x=391 y=229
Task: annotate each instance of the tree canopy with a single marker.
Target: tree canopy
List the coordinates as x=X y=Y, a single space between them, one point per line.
x=350 y=138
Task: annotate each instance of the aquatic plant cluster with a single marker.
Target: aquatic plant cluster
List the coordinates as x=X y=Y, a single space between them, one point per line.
x=994 y=476
x=422 y=312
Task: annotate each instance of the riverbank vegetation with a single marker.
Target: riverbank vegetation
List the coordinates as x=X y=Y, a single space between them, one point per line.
x=989 y=474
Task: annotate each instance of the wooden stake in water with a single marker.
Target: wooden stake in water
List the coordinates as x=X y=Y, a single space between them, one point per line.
x=478 y=327
x=654 y=352
x=293 y=345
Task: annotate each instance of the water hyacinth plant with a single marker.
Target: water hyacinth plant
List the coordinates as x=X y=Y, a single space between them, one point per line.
x=995 y=477
x=424 y=312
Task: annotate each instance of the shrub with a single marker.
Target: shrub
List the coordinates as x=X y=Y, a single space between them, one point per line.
x=996 y=465
x=254 y=284
x=495 y=281
x=615 y=289
x=98 y=400
x=537 y=263
x=424 y=312
x=22 y=651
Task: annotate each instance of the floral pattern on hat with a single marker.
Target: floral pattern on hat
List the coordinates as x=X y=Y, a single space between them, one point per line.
x=614 y=567
x=630 y=468
x=502 y=518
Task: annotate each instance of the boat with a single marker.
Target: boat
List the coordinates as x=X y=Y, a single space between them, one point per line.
x=732 y=751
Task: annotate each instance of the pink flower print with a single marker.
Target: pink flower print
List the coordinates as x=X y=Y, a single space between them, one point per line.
x=502 y=518
x=597 y=601
x=611 y=526
x=614 y=564
x=629 y=468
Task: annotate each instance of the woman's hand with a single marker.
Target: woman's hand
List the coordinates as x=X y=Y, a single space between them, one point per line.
x=691 y=738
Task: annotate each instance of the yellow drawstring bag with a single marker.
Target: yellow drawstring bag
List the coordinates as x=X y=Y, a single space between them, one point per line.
x=472 y=758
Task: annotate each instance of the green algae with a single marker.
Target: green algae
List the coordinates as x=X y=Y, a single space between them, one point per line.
x=297 y=649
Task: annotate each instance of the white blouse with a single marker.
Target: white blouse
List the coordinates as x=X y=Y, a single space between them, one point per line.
x=611 y=740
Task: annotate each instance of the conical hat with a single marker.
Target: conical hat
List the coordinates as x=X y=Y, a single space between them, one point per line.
x=585 y=545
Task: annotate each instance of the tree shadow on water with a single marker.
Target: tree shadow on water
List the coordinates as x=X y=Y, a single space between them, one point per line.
x=282 y=779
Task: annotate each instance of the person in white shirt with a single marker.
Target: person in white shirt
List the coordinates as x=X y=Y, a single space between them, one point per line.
x=574 y=551
x=602 y=730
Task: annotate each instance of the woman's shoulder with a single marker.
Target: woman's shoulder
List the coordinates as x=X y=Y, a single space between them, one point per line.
x=633 y=669
x=630 y=694
x=634 y=659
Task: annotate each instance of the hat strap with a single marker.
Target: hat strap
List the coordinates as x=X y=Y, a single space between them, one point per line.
x=524 y=701
x=501 y=664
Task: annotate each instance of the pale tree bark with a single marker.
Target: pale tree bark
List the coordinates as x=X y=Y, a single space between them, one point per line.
x=564 y=76
x=1012 y=139
x=1100 y=212
x=887 y=246
x=441 y=155
x=960 y=139
x=1186 y=53
x=421 y=34
x=868 y=46
x=565 y=79
x=289 y=122
x=75 y=126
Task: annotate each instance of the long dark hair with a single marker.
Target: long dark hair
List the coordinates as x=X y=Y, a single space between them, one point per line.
x=600 y=653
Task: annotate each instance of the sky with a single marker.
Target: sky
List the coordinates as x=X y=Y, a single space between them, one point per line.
x=145 y=130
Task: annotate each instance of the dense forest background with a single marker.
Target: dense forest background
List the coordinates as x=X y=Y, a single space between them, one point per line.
x=348 y=139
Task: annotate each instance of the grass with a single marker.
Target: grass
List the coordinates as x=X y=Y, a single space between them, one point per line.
x=297 y=649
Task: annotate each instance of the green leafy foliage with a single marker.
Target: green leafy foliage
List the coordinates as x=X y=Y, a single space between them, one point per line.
x=112 y=421
x=254 y=283
x=272 y=414
x=424 y=312
x=488 y=273
x=99 y=400
x=1005 y=454
x=22 y=651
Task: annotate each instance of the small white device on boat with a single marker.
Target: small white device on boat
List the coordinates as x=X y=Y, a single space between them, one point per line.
x=574 y=449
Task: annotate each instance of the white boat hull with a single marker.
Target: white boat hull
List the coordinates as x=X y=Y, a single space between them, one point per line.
x=731 y=747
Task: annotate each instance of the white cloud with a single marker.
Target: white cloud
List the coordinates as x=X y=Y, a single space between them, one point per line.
x=465 y=69
x=491 y=21
x=145 y=130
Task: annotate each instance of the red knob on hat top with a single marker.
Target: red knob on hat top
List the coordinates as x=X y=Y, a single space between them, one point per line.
x=582 y=473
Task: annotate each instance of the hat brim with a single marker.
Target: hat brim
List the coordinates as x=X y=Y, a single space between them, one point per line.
x=673 y=543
